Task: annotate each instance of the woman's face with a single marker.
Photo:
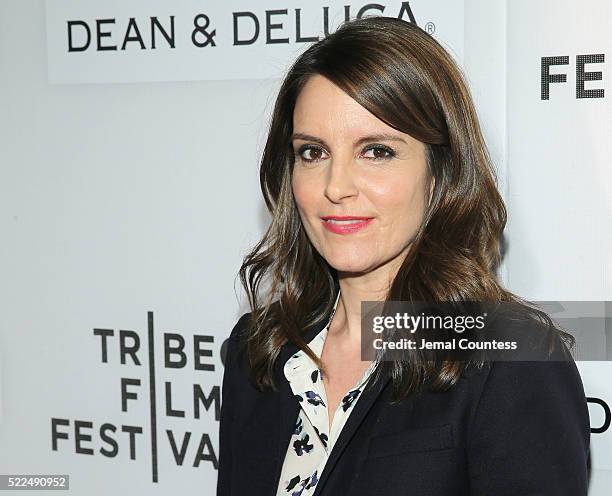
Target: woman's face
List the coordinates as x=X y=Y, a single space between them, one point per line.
x=350 y=163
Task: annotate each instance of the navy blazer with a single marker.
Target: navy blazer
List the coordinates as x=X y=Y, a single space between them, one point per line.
x=509 y=428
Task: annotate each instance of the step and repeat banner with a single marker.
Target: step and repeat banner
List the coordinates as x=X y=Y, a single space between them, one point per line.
x=132 y=132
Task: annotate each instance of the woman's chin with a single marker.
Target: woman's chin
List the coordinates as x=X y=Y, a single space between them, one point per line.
x=347 y=267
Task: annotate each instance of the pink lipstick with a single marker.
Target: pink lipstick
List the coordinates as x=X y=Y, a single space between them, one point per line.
x=345 y=224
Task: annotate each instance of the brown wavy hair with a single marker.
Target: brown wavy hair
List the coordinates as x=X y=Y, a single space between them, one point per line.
x=402 y=75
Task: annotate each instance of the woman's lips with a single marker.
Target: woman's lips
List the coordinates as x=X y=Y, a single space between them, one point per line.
x=346 y=226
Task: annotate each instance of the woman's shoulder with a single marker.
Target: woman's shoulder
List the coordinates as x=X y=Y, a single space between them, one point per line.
x=235 y=345
x=240 y=327
x=545 y=363
x=240 y=332
x=546 y=390
x=505 y=391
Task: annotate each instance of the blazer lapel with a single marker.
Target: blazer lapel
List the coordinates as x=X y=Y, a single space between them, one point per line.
x=360 y=410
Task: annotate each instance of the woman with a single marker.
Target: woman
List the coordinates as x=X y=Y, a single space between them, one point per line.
x=380 y=188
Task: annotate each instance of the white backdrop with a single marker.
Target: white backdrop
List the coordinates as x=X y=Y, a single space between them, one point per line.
x=129 y=194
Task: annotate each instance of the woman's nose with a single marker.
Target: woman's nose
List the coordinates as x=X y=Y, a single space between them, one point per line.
x=341 y=178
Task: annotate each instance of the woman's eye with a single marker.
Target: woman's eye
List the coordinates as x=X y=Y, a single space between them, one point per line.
x=379 y=151
x=310 y=153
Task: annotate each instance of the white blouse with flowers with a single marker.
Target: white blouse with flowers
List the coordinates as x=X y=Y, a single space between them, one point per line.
x=311 y=443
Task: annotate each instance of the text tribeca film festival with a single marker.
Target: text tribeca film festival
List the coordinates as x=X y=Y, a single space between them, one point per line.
x=126 y=347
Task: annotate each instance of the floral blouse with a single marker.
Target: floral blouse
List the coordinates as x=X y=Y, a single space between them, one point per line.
x=311 y=443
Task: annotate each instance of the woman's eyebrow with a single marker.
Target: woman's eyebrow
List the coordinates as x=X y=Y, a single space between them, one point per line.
x=364 y=139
